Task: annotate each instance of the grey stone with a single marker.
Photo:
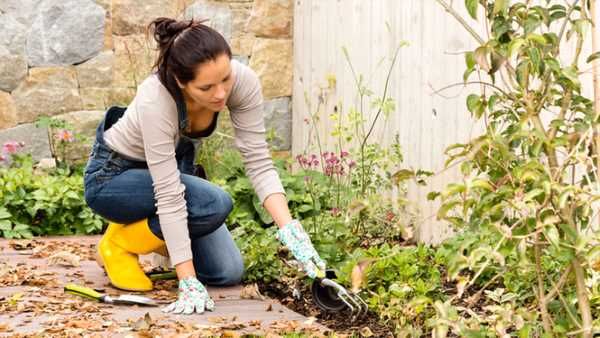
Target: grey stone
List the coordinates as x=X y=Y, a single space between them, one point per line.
x=13 y=69
x=22 y=10
x=35 y=139
x=96 y=72
x=66 y=32
x=14 y=34
x=47 y=91
x=220 y=16
x=278 y=118
x=84 y=124
x=134 y=16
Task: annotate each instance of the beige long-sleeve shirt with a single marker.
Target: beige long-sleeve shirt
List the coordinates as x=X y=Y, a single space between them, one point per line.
x=149 y=131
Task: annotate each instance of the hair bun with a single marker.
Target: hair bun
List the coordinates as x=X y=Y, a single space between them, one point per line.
x=166 y=29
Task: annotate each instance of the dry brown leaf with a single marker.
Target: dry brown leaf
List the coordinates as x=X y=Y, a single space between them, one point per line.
x=217 y=320
x=251 y=292
x=269 y=307
x=358 y=274
x=310 y=321
x=5 y=327
x=141 y=324
x=366 y=332
x=64 y=258
x=24 y=244
x=230 y=334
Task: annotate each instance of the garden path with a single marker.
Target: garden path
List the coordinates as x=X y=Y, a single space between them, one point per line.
x=32 y=299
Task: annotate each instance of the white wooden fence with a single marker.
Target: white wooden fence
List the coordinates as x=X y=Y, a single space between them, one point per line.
x=371 y=31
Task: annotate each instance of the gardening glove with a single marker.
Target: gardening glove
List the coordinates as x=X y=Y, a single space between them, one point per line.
x=193 y=297
x=293 y=236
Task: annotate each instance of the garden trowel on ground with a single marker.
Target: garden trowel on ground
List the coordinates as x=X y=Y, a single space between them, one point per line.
x=122 y=299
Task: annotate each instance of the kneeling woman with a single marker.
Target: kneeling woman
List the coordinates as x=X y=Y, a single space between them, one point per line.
x=142 y=178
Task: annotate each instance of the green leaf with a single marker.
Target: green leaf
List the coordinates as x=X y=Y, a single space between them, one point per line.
x=5 y=225
x=500 y=6
x=571 y=74
x=536 y=58
x=4 y=214
x=473 y=102
x=593 y=57
x=532 y=194
x=472 y=8
x=402 y=175
x=470 y=60
x=482 y=184
x=515 y=45
x=445 y=208
x=523 y=74
x=537 y=38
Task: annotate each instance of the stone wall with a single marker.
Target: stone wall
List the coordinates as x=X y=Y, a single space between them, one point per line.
x=75 y=58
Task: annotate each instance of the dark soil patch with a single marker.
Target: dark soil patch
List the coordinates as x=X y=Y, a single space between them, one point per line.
x=340 y=322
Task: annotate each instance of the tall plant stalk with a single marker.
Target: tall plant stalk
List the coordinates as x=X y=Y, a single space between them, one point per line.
x=517 y=136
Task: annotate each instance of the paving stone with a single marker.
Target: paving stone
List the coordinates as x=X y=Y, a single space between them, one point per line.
x=228 y=302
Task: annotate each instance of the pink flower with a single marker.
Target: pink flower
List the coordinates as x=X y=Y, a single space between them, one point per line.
x=12 y=147
x=65 y=135
x=344 y=154
x=351 y=164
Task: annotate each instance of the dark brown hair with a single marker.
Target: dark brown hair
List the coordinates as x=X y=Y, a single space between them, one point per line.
x=183 y=46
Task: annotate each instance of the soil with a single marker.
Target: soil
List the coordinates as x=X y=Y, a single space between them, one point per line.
x=366 y=326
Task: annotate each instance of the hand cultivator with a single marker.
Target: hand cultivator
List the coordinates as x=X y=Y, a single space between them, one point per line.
x=332 y=297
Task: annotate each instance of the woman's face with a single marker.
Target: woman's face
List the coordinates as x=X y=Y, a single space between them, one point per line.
x=212 y=85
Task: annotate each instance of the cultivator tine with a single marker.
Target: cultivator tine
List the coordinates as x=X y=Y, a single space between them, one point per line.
x=358 y=307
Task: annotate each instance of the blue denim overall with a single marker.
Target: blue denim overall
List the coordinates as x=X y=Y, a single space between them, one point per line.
x=120 y=190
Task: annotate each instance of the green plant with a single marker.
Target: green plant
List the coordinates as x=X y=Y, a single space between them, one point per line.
x=37 y=202
x=400 y=283
x=61 y=139
x=528 y=183
x=259 y=247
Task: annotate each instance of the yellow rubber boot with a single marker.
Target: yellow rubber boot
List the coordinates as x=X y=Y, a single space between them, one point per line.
x=110 y=230
x=120 y=251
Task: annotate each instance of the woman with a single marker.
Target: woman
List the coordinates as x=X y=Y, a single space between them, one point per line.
x=140 y=174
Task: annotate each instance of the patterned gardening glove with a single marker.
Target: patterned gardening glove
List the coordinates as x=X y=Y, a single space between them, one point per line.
x=293 y=236
x=193 y=297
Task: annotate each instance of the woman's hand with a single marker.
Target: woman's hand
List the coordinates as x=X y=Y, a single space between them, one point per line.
x=293 y=236
x=193 y=297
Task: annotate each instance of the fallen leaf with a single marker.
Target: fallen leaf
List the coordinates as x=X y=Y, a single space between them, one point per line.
x=251 y=292
x=230 y=334
x=310 y=321
x=217 y=320
x=143 y=323
x=358 y=274
x=25 y=244
x=64 y=258
x=366 y=332
x=5 y=327
x=269 y=307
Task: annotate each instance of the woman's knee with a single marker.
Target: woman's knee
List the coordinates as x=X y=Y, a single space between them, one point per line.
x=232 y=273
x=229 y=273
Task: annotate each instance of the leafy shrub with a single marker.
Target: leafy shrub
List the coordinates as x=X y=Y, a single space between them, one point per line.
x=37 y=202
x=401 y=283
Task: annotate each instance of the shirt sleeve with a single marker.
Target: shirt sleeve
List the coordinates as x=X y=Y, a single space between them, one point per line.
x=246 y=108
x=158 y=123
